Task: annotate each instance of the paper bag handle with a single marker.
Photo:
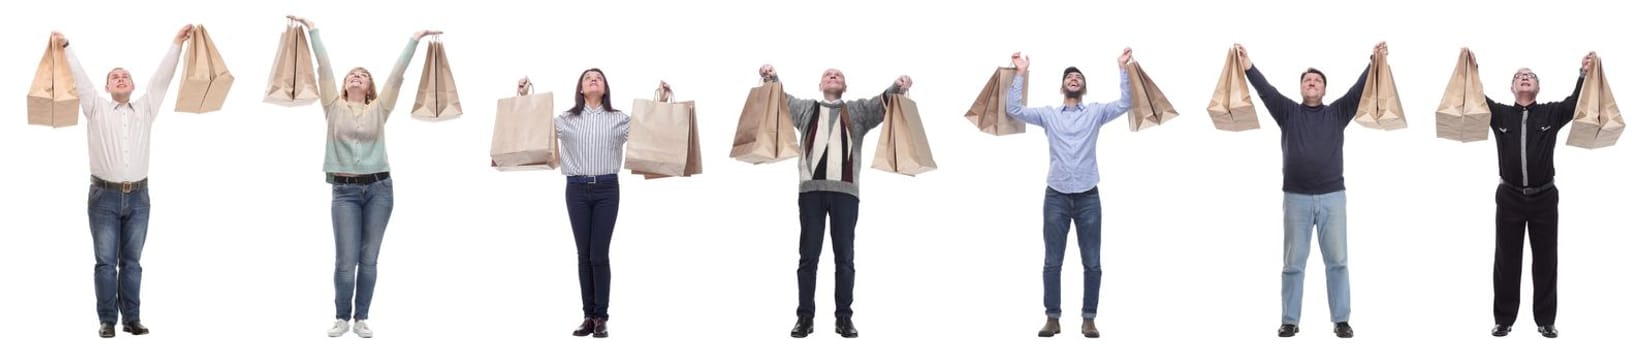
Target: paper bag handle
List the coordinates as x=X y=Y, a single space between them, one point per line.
x=525 y=89
x=664 y=95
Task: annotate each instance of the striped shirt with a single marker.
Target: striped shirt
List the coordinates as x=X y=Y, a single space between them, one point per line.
x=355 y=131
x=592 y=142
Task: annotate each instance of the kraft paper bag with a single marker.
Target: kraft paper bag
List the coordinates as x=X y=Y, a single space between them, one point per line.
x=1379 y=103
x=292 y=76
x=1463 y=114
x=765 y=133
x=1230 y=106
x=665 y=140
x=988 y=114
x=1597 y=122
x=1148 y=105
x=206 y=80
x=438 y=96
x=524 y=133
x=903 y=148
x=53 y=100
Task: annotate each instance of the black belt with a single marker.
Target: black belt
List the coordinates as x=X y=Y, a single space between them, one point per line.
x=123 y=187
x=1529 y=190
x=586 y=179
x=359 y=179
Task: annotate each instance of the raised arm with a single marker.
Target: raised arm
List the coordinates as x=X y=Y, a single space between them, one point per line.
x=797 y=107
x=1348 y=104
x=89 y=97
x=1112 y=110
x=325 y=80
x=393 y=83
x=867 y=113
x=1275 y=102
x=158 y=84
x=1016 y=106
x=1568 y=107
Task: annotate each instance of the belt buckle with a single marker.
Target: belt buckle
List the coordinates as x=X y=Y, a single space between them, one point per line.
x=126 y=187
x=593 y=180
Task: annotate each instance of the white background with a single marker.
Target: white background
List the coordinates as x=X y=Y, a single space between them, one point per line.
x=240 y=247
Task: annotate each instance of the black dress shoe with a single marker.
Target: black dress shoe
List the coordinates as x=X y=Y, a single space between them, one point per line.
x=1548 y=331
x=1051 y=328
x=599 y=328
x=803 y=327
x=585 y=328
x=1089 y=329
x=106 y=330
x=1343 y=330
x=1500 y=330
x=846 y=328
x=135 y=328
x=1287 y=330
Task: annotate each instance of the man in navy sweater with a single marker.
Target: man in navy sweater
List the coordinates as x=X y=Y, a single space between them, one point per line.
x=1526 y=133
x=1311 y=136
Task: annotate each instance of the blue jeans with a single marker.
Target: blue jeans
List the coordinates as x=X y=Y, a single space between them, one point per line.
x=360 y=214
x=120 y=222
x=1060 y=211
x=593 y=208
x=1328 y=212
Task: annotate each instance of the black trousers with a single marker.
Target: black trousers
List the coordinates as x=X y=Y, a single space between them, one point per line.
x=1518 y=213
x=814 y=208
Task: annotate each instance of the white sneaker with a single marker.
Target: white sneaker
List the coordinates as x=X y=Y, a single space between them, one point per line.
x=362 y=330
x=339 y=327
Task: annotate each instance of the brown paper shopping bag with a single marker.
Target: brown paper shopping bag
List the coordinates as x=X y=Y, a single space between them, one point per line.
x=1379 y=103
x=988 y=110
x=292 y=76
x=1597 y=122
x=438 y=96
x=524 y=133
x=765 y=133
x=1230 y=106
x=1148 y=105
x=665 y=140
x=206 y=80
x=53 y=100
x=1463 y=114
x=903 y=148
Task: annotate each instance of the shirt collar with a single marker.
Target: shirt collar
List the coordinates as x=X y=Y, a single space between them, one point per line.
x=589 y=109
x=1078 y=107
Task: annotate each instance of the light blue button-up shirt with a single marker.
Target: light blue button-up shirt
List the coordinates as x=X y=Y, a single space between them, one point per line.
x=1072 y=133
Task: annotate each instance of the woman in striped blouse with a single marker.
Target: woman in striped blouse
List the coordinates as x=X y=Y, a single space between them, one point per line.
x=592 y=139
x=359 y=170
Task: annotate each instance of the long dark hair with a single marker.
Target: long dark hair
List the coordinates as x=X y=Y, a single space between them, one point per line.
x=579 y=100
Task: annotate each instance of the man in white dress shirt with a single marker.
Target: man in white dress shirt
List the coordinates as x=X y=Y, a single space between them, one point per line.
x=117 y=138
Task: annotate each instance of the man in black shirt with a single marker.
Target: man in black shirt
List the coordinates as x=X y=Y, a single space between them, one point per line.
x=1526 y=133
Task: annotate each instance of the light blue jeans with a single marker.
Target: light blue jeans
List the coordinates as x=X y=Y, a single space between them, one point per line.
x=1303 y=213
x=360 y=215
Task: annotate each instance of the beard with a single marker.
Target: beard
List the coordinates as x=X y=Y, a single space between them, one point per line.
x=1072 y=94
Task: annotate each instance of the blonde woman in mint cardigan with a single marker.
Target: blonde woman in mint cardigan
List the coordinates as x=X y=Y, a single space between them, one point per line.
x=359 y=170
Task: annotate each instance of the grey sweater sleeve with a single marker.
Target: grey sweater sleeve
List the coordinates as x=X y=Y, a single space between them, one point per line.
x=867 y=113
x=799 y=108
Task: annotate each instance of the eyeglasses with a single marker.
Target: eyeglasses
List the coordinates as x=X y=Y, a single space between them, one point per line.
x=1532 y=76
